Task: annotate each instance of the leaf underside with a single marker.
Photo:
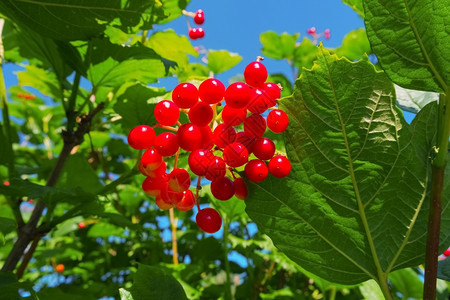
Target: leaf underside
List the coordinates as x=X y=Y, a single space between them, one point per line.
x=355 y=204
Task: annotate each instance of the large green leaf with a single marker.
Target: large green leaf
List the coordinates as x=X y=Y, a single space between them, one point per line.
x=411 y=41
x=221 y=60
x=77 y=19
x=153 y=283
x=278 y=46
x=355 y=205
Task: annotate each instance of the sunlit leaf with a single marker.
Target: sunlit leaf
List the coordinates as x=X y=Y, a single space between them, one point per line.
x=354 y=45
x=221 y=60
x=412 y=100
x=278 y=46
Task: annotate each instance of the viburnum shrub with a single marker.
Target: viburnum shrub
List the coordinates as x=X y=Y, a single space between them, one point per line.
x=224 y=142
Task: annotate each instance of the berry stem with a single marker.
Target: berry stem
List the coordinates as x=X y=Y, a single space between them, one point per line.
x=176 y=158
x=173 y=224
x=259 y=58
x=188 y=13
x=165 y=127
x=197 y=188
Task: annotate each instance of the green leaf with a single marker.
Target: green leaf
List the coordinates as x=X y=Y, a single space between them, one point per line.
x=7 y=225
x=221 y=60
x=70 y=176
x=112 y=65
x=407 y=283
x=371 y=290
x=278 y=46
x=153 y=283
x=169 y=10
x=9 y=285
x=171 y=46
x=444 y=269
x=412 y=100
x=354 y=45
x=5 y=152
x=136 y=106
x=77 y=19
x=125 y=295
x=355 y=204
x=43 y=80
x=357 y=6
x=305 y=54
x=410 y=41
x=105 y=230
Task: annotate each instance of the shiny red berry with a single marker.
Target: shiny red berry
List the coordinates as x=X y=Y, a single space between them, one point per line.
x=166 y=143
x=224 y=134
x=222 y=188
x=159 y=172
x=193 y=33
x=279 y=166
x=264 y=148
x=216 y=168
x=141 y=137
x=245 y=140
x=240 y=188
x=255 y=74
x=256 y=170
x=208 y=220
x=187 y=202
x=179 y=180
x=254 y=126
x=207 y=138
x=237 y=95
x=211 y=91
x=166 y=113
x=151 y=160
x=233 y=116
x=185 y=95
x=198 y=161
x=201 y=114
x=272 y=90
x=260 y=101
x=199 y=17
x=153 y=186
x=189 y=137
x=277 y=121
x=447 y=252
x=235 y=155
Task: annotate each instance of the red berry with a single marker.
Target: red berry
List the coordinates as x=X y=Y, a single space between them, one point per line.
x=159 y=172
x=264 y=148
x=201 y=114
x=240 y=188
x=447 y=252
x=59 y=268
x=151 y=160
x=207 y=138
x=233 y=116
x=277 y=121
x=211 y=91
x=187 y=202
x=245 y=140
x=208 y=220
x=222 y=188
x=216 y=168
x=166 y=143
x=141 y=137
x=171 y=196
x=199 y=17
x=255 y=74
x=189 y=137
x=224 y=134
x=272 y=90
x=185 y=95
x=237 y=95
x=81 y=225
x=260 y=101
x=179 y=180
x=153 y=186
x=193 y=33
x=162 y=204
x=254 y=126
x=279 y=166
x=198 y=161
x=167 y=113
x=235 y=155
x=256 y=170
x=200 y=33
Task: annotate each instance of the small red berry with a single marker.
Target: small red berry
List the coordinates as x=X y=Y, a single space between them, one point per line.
x=153 y=186
x=233 y=116
x=167 y=113
x=208 y=220
x=187 y=202
x=166 y=143
x=163 y=204
x=141 y=137
x=240 y=188
x=260 y=101
x=235 y=155
x=211 y=91
x=198 y=161
x=199 y=17
x=193 y=33
x=159 y=172
x=255 y=74
x=179 y=180
x=207 y=138
x=237 y=95
x=59 y=268
x=185 y=95
x=200 y=33
x=447 y=252
x=256 y=170
x=224 y=134
x=201 y=114
x=81 y=225
x=189 y=137
x=151 y=160
x=279 y=166
x=171 y=196
x=245 y=140
x=222 y=188
x=216 y=168
x=264 y=148
x=272 y=90
x=254 y=126
x=277 y=121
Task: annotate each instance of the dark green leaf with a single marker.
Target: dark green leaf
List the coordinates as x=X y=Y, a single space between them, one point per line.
x=410 y=41
x=70 y=176
x=354 y=45
x=444 y=269
x=7 y=225
x=9 y=287
x=278 y=46
x=169 y=10
x=358 y=180
x=221 y=60
x=153 y=283
x=77 y=19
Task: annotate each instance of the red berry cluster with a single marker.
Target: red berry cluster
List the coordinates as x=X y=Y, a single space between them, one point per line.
x=216 y=146
x=199 y=19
